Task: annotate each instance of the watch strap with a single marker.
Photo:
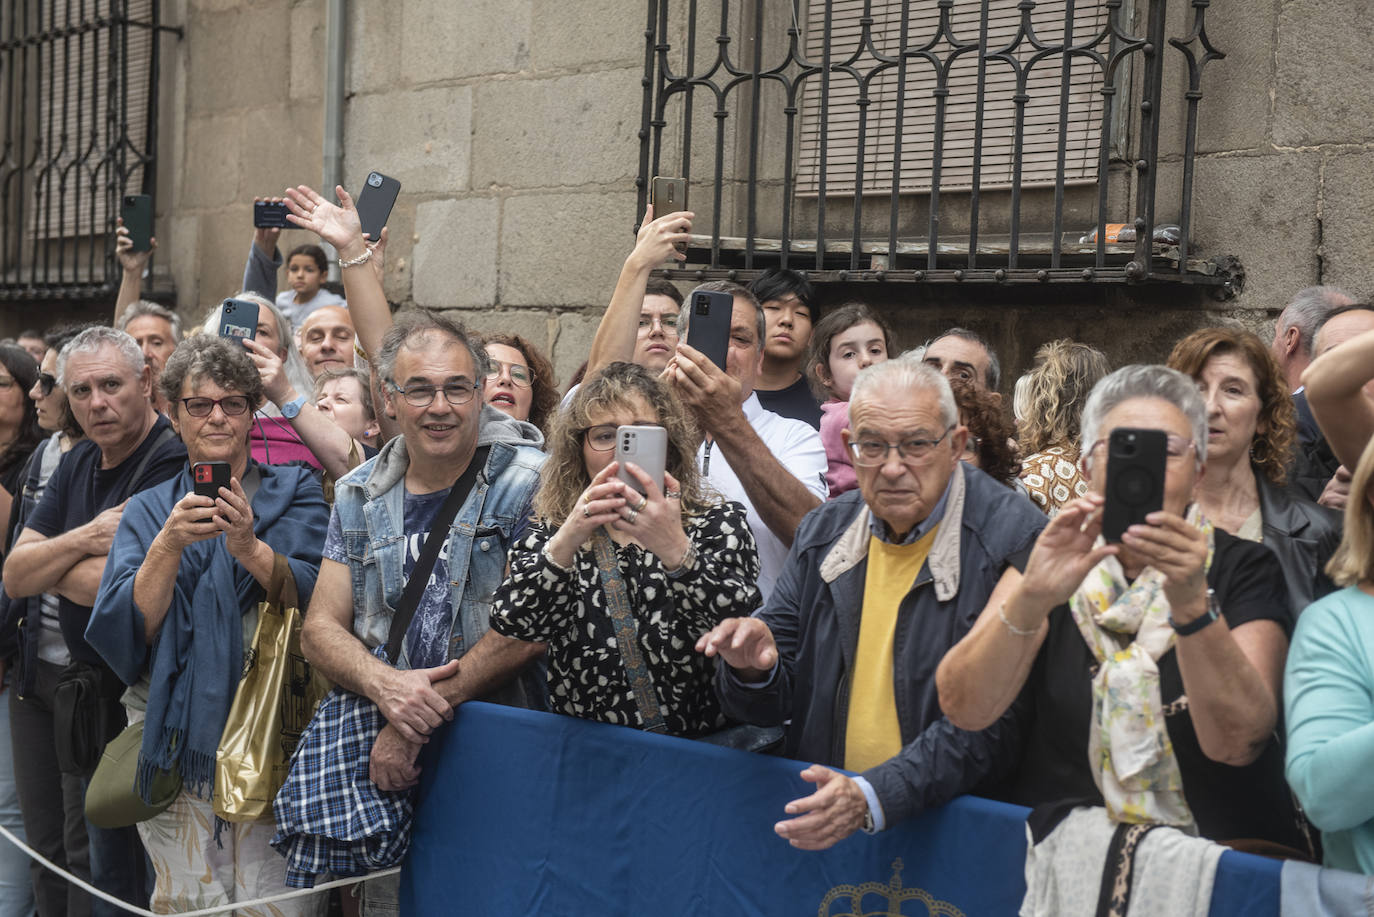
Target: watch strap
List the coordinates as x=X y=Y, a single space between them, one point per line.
x=1201 y=621
x=293 y=407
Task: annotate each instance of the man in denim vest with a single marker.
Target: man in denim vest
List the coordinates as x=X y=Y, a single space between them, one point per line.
x=433 y=375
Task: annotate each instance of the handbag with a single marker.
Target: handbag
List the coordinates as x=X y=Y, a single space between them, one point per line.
x=274 y=702
x=111 y=800
x=86 y=715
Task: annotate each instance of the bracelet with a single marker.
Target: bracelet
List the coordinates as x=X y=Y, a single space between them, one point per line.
x=1213 y=612
x=689 y=561
x=354 y=262
x=1018 y=631
x=553 y=563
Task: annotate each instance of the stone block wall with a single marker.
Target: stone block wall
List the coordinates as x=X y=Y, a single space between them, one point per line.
x=512 y=127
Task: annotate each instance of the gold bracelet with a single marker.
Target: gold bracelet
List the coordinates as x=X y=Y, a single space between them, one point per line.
x=1018 y=631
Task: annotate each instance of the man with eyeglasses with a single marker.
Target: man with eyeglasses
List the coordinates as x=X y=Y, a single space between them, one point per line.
x=880 y=582
x=62 y=550
x=434 y=376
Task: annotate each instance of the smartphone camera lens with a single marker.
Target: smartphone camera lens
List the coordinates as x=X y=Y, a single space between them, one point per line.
x=703 y=305
x=375 y=180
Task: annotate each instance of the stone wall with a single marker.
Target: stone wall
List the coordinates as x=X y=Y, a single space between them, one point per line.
x=512 y=127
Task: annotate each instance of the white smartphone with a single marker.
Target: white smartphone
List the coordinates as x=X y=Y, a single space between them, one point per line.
x=647 y=447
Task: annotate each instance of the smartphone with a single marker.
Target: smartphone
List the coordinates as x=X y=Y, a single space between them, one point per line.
x=708 y=323
x=137 y=213
x=669 y=195
x=374 y=203
x=1135 y=478
x=647 y=447
x=238 y=318
x=270 y=215
x=207 y=478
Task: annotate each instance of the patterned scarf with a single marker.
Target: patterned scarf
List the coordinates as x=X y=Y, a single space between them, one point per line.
x=1126 y=626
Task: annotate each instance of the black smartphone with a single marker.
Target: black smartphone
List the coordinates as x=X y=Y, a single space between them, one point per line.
x=238 y=318
x=708 y=323
x=137 y=213
x=207 y=478
x=669 y=195
x=374 y=203
x=1135 y=478
x=270 y=215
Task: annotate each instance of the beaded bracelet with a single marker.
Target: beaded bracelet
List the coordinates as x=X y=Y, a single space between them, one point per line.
x=1018 y=631
x=354 y=262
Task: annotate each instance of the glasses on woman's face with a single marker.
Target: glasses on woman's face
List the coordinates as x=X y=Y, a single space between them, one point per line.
x=46 y=383
x=231 y=405
x=522 y=376
x=600 y=437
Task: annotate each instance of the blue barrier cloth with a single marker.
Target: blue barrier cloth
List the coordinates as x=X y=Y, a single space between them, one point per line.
x=530 y=813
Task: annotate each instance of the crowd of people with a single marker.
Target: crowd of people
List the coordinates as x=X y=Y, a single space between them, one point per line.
x=855 y=556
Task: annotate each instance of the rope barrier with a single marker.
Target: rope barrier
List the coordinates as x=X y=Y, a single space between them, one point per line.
x=203 y=912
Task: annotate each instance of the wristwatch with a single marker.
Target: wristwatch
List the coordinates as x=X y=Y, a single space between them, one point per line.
x=293 y=407
x=1201 y=621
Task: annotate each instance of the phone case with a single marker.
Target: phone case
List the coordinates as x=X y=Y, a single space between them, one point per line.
x=209 y=477
x=374 y=203
x=647 y=447
x=708 y=324
x=1135 y=478
x=137 y=213
x=238 y=318
x=270 y=215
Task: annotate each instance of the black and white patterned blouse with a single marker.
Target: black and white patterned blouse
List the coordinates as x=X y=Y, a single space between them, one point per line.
x=540 y=603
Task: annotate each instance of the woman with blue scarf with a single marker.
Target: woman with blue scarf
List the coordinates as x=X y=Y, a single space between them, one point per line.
x=177 y=607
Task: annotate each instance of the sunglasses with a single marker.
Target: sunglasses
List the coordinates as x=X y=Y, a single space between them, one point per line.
x=46 y=383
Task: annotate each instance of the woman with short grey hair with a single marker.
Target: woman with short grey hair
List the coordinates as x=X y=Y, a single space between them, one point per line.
x=1151 y=667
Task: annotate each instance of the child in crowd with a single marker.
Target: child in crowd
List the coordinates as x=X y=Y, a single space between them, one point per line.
x=306 y=269
x=845 y=341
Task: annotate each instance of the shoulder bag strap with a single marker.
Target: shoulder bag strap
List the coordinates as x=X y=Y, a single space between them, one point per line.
x=166 y=434
x=438 y=534
x=626 y=633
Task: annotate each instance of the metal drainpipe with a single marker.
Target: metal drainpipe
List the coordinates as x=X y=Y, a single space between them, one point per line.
x=335 y=34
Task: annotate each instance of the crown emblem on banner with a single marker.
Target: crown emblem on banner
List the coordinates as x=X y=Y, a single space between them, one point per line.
x=885 y=900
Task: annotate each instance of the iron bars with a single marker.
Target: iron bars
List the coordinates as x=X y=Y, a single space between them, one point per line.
x=930 y=140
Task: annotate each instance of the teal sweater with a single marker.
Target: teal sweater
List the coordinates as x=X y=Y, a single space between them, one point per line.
x=1328 y=691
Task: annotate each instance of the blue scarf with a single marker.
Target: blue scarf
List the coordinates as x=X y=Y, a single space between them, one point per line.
x=197 y=659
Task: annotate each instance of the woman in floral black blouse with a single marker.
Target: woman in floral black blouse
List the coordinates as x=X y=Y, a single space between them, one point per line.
x=687 y=563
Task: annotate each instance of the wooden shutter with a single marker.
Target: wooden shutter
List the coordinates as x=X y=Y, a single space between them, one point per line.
x=79 y=162
x=1040 y=146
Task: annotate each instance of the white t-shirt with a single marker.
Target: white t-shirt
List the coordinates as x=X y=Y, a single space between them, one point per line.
x=797 y=447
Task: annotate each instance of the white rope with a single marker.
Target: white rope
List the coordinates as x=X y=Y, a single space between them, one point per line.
x=203 y=912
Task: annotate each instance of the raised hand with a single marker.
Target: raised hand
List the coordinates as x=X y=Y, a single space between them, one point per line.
x=337 y=224
x=656 y=522
x=1065 y=552
x=657 y=239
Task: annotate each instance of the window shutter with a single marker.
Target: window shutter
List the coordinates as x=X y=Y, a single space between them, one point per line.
x=1040 y=141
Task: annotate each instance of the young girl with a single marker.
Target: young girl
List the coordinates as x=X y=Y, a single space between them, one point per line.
x=843 y=342
x=306 y=269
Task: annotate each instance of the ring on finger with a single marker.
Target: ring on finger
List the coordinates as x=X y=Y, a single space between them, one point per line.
x=587 y=512
x=643 y=502
x=634 y=514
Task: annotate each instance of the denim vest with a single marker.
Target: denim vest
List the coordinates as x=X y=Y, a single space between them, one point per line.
x=370 y=504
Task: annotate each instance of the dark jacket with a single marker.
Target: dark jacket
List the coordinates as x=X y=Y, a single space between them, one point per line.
x=1303 y=535
x=814 y=613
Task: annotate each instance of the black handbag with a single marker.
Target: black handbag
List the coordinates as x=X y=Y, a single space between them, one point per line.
x=86 y=716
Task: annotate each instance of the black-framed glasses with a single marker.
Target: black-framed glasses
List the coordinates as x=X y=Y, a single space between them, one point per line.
x=46 y=383
x=871 y=452
x=421 y=395
x=522 y=376
x=231 y=405
x=600 y=437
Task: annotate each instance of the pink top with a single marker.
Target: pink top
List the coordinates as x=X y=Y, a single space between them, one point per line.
x=275 y=442
x=840 y=471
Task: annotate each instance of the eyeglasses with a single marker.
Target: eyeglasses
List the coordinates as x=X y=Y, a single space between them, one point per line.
x=600 y=437
x=522 y=376
x=231 y=405
x=46 y=383
x=1175 y=447
x=869 y=452
x=422 y=395
x=666 y=322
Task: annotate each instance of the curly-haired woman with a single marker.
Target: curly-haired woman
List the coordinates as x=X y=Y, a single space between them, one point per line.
x=684 y=563
x=1048 y=422
x=1251 y=429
